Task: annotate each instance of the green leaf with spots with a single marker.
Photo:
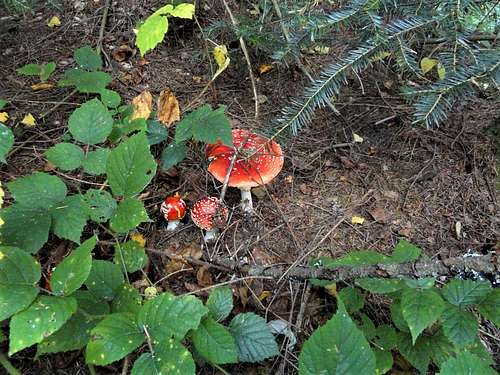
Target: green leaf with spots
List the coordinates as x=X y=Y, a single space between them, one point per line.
x=380 y=286
x=69 y=218
x=357 y=258
x=95 y=162
x=489 y=306
x=71 y=273
x=214 y=343
x=39 y=190
x=173 y=154
x=127 y=300
x=156 y=132
x=129 y=214
x=397 y=316
x=113 y=338
x=104 y=280
x=101 y=205
x=19 y=274
x=405 y=252
x=465 y=292
x=459 y=325
x=130 y=166
x=171 y=358
x=420 y=309
x=466 y=363
x=353 y=299
x=130 y=256
x=151 y=32
x=424 y=283
x=253 y=337
x=88 y=58
x=6 y=142
x=418 y=353
x=220 y=303
x=44 y=317
x=65 y=156
x=168 y=316
x=386 y=337
x=91 y=123
x=85 y=82
x=383 y=360
x=110 y=98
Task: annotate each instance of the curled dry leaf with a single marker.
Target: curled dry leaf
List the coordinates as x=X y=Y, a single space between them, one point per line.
x=122 y=53
x=264 y=68
x=42 y=86
x=378 y=214
x=54 y=22
x=357 y=220
x=142 y=104
x=168 y=108
x=28 y=120
x=204 y=277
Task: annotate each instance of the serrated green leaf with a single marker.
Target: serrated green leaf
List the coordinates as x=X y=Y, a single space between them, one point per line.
x=71 y=273
x=418 y=354
x=130 y=166
x=220 y=303
x=44 y=317
x=173 y=154
x=253 y=338
x=380 y=286
x=386 y=337
x=129 y=214
x=383 y=360
x=127 y=300
x=441 y=348
x=358 y=258
x=101 y=205
x=130 y=256
x=88 y=58
x=465 y=292
x=65 y=156
x=104 y=280
x=466 y=363
x=205 y=125
x=338 y=347
x=91 y=123
x=459 y=325
x=353 y=299
x=171 y=358
x=168 y=316
x=39 y=190
x=405 y=252
x=424 y=283
x=95 y=161
x=113 y=338
x=29 y=70
x=110 y=98
x=6 y=141
x=397 y=317
x=46 y=70
x=85 y=82
x=420 y=309
x=489 y=306
x=19 y=274
x=69 y=218
x=151 y=33
x=214 y=343
x=156 y=132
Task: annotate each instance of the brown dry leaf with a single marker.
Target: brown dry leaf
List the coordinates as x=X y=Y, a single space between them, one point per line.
x=193 y=251
x=175 y=265
x=142 y=61
x=259 y=192
x=122 y=53
x=264 y=68
x=305 y=189
x=168 y=108
x=378 y=214
x=49 y=167
x=265 y=294
x=261 y=257
x=142 y=104
x=243 y=294
x=42 y=86
x=346 y=162
x=204 y=277
x=197 y=79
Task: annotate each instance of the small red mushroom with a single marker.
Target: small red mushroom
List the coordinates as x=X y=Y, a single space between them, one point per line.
x=173 y=210
x=209 y=214
x=259 y=160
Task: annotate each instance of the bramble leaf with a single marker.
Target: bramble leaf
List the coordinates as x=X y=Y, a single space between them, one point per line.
x=91 y=123
x=129 y=214
x=466 y=363
x=379 y=285
x=66 y=156
x=220 y=303
x=173 y=154
x=104 y=280
x=69 y=218
x=39 y=190
x=156 y=132
x=489 y=307
x=88 y=58
x=95 y=161
x=352 y=298
x=6 y=141
x=171 y=358
x=151 y=33
x=465 y=292
x=405 y=252
x=101 y=205
x=214 y=343
x=127 y=300
x=85 y=82
x=130 y=256
x=459 y=325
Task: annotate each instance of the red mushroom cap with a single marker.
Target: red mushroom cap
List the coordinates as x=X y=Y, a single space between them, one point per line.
x=209 y=213
x=173 y=208
x=260 y=160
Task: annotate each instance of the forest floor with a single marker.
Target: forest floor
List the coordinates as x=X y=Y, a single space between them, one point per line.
x=435 y=187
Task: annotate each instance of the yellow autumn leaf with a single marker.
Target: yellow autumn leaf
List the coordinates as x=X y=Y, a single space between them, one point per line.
x=426 y=64
x=168 y=108
x=264 y=68
x=357 y=220
x=139 y=238
x=54 y=22
x=28 y=120
x=4 y=116
x=264 y=295
x=357 y=138
x=42 y=86
x=222 y=59
x=331 y=289
x=142 y=105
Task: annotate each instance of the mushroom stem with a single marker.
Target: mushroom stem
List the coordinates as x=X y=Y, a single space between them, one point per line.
x=211 y=235
x=246 y=201
x=172 y=225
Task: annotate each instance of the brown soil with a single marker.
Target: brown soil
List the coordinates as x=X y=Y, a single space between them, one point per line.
x=404 y=180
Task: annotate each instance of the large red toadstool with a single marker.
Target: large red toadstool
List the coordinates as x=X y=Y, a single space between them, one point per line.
x=209 y=214
x=173 y=210
x=259 y=160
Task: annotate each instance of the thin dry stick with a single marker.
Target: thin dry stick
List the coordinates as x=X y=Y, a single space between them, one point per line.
x=226 y=177
x=247 y=58
x=226 y=283
x=101 y=31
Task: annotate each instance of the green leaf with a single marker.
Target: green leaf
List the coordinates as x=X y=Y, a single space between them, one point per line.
x=386 y=337
x=338 y=347
x=184 y=10
x=130 y=166
x=489 y=307
x=214 y=343
x=130 y=214
x=168 y=316
x=205 y=125
x=69 y=218
x=426 y=64
x=441 y=71
x=127 y=300
x=173 y=154
x=424 y=283
x=75 y=333
x=254 y=340
x=101 y=205
x=44 y=317
x=130 y=256
x=358 y=258
x=366 y=326
x=441 y=348
x=91 y=123
x=3 y=103
x=66 y=156
x=110 y=98
x=418 y=354
x=6 y=142
x=113 y=338
x=17 y=218
x=104 y=280
x=151 y=33
x=171 y=358
x=383 y=360
x=95 y=161
x=465 y=292
x=156 y=132
x=85 y=82
x=353 y=299
x=39 y=190
x=380 y=286
x=420 y=309
x=29 y=70
x=71 y=273
x=459 y=325
x=19 y=274
x=397 y=317
x=466 y=363
x=220 y=303
x=88 y=58
x=46 y=70
x=405 y=252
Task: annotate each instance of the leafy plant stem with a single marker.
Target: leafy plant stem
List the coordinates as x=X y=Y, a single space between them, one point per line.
x=91 y=369
x=220 y=368
x=4 y=361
